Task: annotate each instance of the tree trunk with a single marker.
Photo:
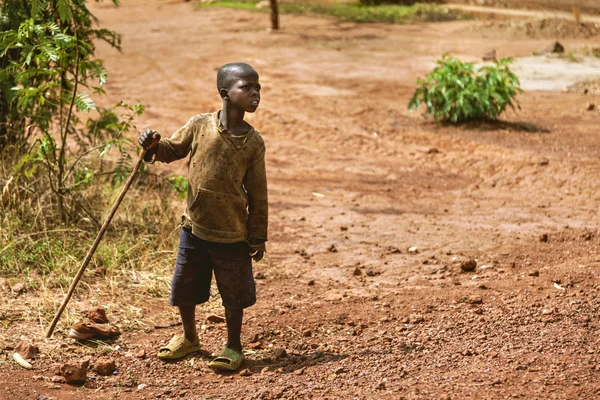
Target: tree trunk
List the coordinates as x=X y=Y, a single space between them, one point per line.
x=274 y=14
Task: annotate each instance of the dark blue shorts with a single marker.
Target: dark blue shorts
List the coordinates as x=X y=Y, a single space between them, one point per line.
x=196 y=261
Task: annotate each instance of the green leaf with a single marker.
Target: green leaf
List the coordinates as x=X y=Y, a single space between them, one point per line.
x=83 y=102
x=64 y=10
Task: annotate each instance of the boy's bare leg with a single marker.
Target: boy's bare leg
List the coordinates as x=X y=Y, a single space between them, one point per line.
x=234 y=328
x=188 y=319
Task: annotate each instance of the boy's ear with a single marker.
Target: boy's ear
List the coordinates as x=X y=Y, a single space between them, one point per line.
x=224 y=94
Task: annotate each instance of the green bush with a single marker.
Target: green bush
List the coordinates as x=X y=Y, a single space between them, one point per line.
x=456 y=91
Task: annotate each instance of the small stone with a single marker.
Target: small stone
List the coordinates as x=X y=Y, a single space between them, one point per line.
x=332 y=249
x=260 y=275
x=482 y=286
x=534 y=273
x=245 y=372
x=311 y=282
x=543 y=162
x=475 y=299
x=98 y=315
x=357 y=272
x=26 y=350
x=544 y=238
x=380 y=386
x=142 y=386
x=215 y=319
x=100 y=271
x=299 y=371
x=141 y=354
x=279 y=352
x=370 y=272
x=469 y=265
x=343 y=228
x=74 y=372
x=58 y=379
x=490 y=55
x=307 y=333
x=555 y=47
x=413 y=250
x=415 y=319
x=105 y=366
x=18 y=288
x=432 y=150
x=590 y=106
x=254 y=345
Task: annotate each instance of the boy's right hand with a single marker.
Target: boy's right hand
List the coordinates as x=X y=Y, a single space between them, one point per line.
x=148 y=139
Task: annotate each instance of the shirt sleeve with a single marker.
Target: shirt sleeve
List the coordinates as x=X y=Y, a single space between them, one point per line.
x=255 y=183
x=177 y=146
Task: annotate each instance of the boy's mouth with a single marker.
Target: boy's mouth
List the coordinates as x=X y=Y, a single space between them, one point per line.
x=255 y=102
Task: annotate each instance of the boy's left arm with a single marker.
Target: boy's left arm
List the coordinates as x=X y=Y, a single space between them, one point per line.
x=255 y=183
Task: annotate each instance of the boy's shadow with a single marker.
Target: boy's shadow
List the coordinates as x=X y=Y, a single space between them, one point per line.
x=292 y=362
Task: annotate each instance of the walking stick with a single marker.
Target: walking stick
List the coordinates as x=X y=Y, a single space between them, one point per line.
x=95 y=245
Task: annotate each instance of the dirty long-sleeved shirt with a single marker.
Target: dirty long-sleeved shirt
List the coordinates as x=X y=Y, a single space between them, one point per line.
x=227 y=193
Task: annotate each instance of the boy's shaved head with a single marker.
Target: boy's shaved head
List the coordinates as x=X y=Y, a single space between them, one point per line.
x=231 y=72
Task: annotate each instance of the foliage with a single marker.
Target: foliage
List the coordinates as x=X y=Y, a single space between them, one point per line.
x=48 y=75
x=456 y=91
x=355 y=12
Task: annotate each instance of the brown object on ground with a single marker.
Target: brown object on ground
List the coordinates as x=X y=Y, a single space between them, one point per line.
x=98 y=315
x=100 y=271
x=590 y=106
x=490 y=55
x=18 y=288
x=90 y=253
x=357 y=272
x=555 y=47
x=26 y=350
x=279 y=352
x=74 y=372
x=105 y=366
x=216 y=319
x=475 y=299
x=468 y=265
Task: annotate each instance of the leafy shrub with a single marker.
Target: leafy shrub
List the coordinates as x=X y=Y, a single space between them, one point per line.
x=456 y=91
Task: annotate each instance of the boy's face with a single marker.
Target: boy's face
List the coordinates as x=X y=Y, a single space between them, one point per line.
x=244 y=93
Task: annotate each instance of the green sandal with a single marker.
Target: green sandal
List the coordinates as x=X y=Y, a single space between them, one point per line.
x=228 y=360
x=178 y=347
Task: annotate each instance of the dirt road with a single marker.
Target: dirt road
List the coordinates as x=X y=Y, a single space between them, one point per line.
x=355 y=182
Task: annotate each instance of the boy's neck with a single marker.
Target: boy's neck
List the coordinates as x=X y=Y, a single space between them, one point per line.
x=232 y=119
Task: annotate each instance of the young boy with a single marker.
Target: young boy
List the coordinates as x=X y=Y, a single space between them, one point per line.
x=224 y=225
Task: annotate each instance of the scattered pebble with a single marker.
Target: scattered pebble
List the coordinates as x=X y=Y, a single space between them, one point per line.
x=311 y=282
x=18 y=288
x=469 y=265
x=74 y=371
x=245 y=372
x=332 y=249
x=413 y=250
x=142 y=386
x=357 y=272
x=217 y=319
x=105 y=366
x=475 y=299
x=279 y=352
x=26 y=350
x=260 y=275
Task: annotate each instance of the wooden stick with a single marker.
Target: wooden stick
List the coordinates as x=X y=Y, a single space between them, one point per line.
x=95 y=245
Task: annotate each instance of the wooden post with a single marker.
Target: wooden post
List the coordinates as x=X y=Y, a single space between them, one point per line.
x=274 y=14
